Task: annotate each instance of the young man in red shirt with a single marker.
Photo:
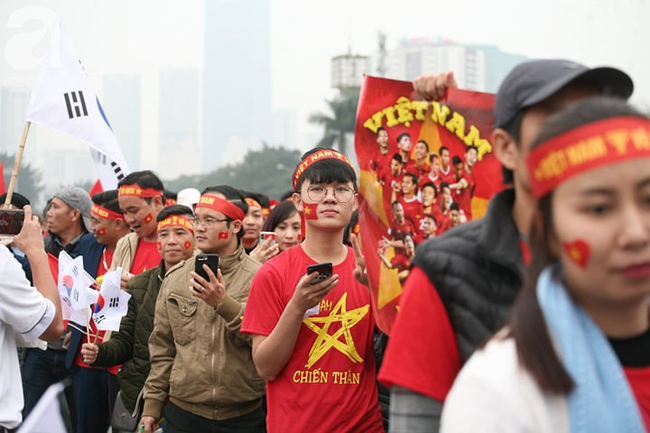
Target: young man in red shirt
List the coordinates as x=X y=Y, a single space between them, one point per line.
x=445 y=173
x=462 y=188
x=420 y=165
x=313 y=334
x=404 y=145
x=381 y=160
x=399 y=225
x=409 y=199
x=391 y=177
x=140 y=195
x=95 y=389
x=434 y=174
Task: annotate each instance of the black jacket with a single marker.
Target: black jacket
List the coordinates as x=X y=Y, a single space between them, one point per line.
x=130 y=346
x=477 y=270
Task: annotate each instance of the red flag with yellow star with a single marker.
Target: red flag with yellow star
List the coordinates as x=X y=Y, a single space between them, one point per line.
x=310 y=211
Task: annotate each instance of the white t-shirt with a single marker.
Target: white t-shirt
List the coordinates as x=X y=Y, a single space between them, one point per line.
x=24 y=315
x=493 y=393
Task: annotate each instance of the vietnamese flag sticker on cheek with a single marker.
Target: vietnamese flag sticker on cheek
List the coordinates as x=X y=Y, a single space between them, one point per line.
x=309 y=210
x=578 y=251
x=148 y=218
x=187 y=245
x=101 y=232
x=223 y=235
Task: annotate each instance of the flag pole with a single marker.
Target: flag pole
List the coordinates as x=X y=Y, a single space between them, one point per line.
x=87 y=326
x=19 y=157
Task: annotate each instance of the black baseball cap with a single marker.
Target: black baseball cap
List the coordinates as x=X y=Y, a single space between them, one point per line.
x=18 y=200
x=532 y=82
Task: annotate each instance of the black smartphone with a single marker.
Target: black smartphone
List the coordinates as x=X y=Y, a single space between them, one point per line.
x=11 y=221
x=324 y=271
x=212 y=260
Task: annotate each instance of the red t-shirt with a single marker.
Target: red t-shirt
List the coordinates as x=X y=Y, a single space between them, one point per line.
x=428 y=179
x=412 y=210
x=397 y=231
x=412 y=167
x=639 y=380
x=448 y=177
x=422 y=353
x=381 y=162
x=388 y=180
x=400 y=262
x=463 y=197
x=146 y=257
x=328 y=384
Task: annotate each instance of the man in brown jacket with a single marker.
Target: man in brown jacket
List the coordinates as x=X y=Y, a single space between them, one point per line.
x=199 y=358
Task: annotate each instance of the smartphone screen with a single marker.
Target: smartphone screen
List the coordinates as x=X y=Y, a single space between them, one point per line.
x=324 y=271
x=11 y=221
x=212 y=260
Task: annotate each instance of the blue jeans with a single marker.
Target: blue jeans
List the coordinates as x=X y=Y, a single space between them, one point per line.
x=41 y=369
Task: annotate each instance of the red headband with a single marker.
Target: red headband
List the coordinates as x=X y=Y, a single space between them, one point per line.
x=137 y=191
x=220 y=205
x=176 y=220
x=586 y=148
x=315 y=157
x=103 y=212
x=253 y=202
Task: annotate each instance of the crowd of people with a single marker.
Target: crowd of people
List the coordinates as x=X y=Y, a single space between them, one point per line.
x=535 y=317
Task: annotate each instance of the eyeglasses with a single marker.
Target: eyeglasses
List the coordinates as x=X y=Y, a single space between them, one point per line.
x=342 y=194
x=208 y=223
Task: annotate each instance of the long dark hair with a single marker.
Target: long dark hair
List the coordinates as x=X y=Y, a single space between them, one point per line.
x=527 y=325
x=281 y=212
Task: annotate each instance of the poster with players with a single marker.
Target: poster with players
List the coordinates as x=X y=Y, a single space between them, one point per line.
x=425 y=167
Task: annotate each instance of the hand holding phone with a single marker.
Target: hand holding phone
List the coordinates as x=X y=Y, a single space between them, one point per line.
x=30 y=237
x=268 y=235
x=11 y=221
x=324 y=271
x=212 y=260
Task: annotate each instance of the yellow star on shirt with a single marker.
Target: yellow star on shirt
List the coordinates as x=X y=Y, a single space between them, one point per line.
x=341 y=339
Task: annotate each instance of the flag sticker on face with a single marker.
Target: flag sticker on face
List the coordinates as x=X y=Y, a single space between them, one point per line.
x=578 y=251
x=148 y=218
x=223 y=235
x=187 y=245
x=310 y=211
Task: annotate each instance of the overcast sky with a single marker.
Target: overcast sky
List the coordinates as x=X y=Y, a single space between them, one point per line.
x=145 y=35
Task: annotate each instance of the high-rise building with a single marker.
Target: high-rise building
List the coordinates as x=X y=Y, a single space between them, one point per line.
x=13 y=106
x=497 y=65
x=236 y=86
x=179 y=150
x=285 y=128
x=476 y=67
x=348 y=70
x=121 y=99
x=415 y=57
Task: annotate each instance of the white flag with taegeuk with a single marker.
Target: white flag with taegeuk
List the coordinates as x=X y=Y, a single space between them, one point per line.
x=63 y=99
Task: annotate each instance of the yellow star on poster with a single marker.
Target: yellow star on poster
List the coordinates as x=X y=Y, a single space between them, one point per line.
x=341 y=339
